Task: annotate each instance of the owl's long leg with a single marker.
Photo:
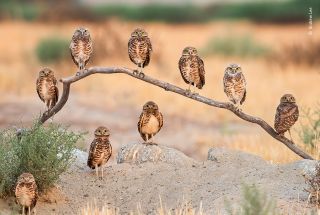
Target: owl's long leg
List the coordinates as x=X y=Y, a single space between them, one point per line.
x=141 y=74
x=101 y=171
x=290 y=135
x=147 y=140
x=97 y=171
x=23 y=210
x=188 y=91
x=194 y=89
x=29 y=210
x=152 y=139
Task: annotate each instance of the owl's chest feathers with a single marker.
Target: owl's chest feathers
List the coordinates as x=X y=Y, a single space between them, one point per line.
x=25 y=196
x=82 y=48
x=101 y=151
x=151 y=126
x=140 y=50
x=47 y=89
x=191 y=70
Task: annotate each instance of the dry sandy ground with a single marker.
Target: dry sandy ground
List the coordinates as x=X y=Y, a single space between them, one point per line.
x=125 y=186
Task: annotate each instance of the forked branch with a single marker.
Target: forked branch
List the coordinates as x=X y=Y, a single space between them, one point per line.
x=169 y=87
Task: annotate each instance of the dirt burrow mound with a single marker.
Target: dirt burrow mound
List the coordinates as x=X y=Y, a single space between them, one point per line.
x=153 y=172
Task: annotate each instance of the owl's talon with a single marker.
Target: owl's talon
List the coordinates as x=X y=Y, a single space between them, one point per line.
x=135 y=72
x=188 y=92
x=141 y=75
x=78 y=73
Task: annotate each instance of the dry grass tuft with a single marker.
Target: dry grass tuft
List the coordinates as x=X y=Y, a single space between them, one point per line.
x=313 y=189
x=185 y=209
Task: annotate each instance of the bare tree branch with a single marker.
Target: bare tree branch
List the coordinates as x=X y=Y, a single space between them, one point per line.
x=169 y=87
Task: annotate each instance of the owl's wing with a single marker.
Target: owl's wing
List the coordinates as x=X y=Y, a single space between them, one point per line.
x=34 y=200
x=244 y=86
x=160 y=120
x=201 y=73
x=72 y=47
x=244 y=97
x=130 y=44
x=149 y=44
x=142 y=120
x=182 y=64
x=91 y=153
x=148 y=54
x=109 y=153
x=38 y=85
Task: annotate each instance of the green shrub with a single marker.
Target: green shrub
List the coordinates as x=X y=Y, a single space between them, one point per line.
x=309 y=131
x=254 y=202
x=46 y=152
x=242 y=46
x=52 y=49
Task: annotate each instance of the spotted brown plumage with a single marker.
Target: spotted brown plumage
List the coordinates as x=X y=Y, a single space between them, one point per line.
x=192 y=68
x=150 y=121
x=234 y=84
x=139 y=48
x=47 y=87
x=26 y=192
x=81 y=47
x=286 y=115
x=100 y=150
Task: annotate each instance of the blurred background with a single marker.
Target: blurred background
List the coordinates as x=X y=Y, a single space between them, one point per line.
x=277 y=44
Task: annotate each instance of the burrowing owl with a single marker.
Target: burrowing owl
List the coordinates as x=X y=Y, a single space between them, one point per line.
x=150 y=121
x=286 y=115
x=47 y=87
x=139 y=49
x=192 y=68
x=81 y=47
x=100 y=150
x=26 y=192
x=234 y=84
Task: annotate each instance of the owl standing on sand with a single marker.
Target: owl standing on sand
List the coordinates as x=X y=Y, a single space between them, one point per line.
x=47 y=87
x=150 y=121
x=81 y=47
x=139 y=49
x=234 y=84
x=26 y=192
x=192 y=68
x=286 y=115
x=100 y=150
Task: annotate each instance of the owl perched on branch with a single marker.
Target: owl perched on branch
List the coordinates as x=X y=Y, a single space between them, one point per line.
x=26 y=192
x=192 y=68
x=139 y=50
x=150 y=121
x=286 y=115
x=100 y=150
x=234 y=84
x=47 y=87
x=81 y=47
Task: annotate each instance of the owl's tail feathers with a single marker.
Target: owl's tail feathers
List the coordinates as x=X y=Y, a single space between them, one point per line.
x=90 y=164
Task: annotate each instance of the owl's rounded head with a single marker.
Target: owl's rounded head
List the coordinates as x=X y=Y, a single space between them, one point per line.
x=150 y=107
x=81 y=32
x=189 y=51
x=233 y=69
x=287 y=98
x=139 y=32
x=46 y=72
x=102 y=131
x=26 y=178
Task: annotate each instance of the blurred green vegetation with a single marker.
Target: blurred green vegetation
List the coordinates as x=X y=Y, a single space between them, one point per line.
x=44 y=151
x=281 y=12
x=309 y=131
x=242 y=46
x=52 y=49
x=254 y=202
x=265 y=11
